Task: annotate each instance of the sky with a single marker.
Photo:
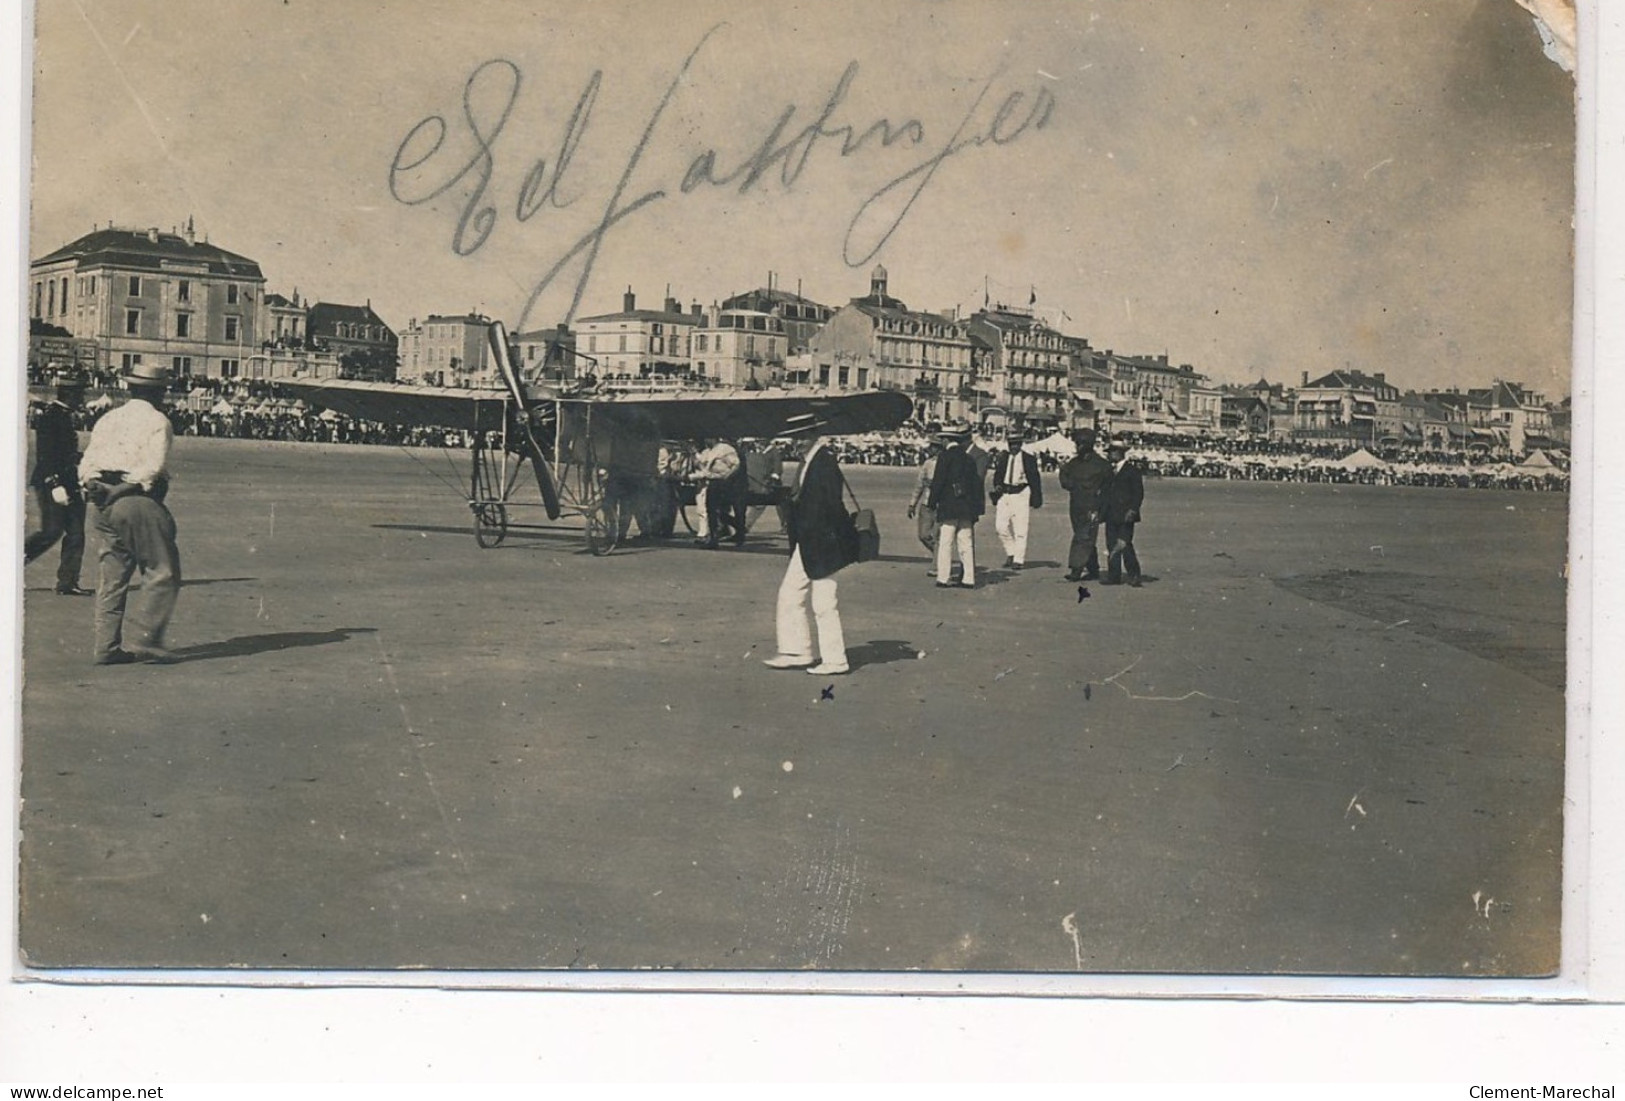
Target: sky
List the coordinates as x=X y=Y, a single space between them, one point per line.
x=1258 y=188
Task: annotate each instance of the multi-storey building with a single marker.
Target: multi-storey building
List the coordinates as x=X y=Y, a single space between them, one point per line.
x=1348 y=407
x=877 y=342
x=546 y=353
x=1027 y=364
x=1244 y=413
x=448 y=350
x=285 y=322
x=801 y=317
x=1518 y=417
x=144 y=296
x=740 y=347
x=364 y=344
x=638 y=343
x=1152 y=391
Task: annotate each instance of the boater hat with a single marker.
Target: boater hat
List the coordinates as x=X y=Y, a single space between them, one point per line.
x=147 y=376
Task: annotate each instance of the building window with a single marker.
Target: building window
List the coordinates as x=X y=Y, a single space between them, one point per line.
x=231 y=328
x=64 y=294
x=845 y=375
x=623 y=342
x=131 y=360
x=39 y=299
x=700 y=343
x=231 y=294
x=132 y=322
x=592 y=343
x=183 y=325
x=183 y=290
x=182 y=365
x=50 y=301
x=135 y=286
x=228 y=368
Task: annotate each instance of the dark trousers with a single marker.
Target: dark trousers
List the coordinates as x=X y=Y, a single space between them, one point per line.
x=1120 y=548
x=1083 y=556
x=725 y=507
x=137 y=533
x=64 y=522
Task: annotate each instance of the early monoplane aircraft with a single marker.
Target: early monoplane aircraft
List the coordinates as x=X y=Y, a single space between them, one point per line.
x=591 y=449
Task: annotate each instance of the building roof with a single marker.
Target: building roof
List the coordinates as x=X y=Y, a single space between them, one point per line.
x=324 y=315
x=899 y=312
x=1349 y=380
x=776 y=295
x=146 y=250
x=644 y=315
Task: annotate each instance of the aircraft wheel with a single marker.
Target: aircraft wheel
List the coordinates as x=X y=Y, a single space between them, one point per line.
x=603 y=528
x=490 y=524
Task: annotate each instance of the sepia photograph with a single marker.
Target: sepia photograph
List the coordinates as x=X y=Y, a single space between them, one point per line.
x=947 y=491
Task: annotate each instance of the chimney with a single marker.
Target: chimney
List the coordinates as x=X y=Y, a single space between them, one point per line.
x=629 y=301
x=191 y=233
x=1381 y=377
x=152 y=235
x=1305 y=378
x=672 y=305
x=697 y=310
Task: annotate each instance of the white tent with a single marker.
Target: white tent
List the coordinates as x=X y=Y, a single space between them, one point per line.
x=223 y=408
x=1056 y=444
x=1360 y=460
x=1537 y=460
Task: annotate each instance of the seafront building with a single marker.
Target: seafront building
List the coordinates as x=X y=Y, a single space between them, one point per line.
x=877 y=342
x=118 y=297
x=145 y=296
x=636 y=343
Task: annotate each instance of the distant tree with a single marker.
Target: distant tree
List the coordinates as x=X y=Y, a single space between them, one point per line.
x=38 y=326
x=372 y=364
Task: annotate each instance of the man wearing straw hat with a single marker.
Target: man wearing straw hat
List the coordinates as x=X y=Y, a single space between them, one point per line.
x=125 y=472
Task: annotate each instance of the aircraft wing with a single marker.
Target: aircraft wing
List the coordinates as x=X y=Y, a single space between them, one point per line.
x=757 y=414
x=411 y=406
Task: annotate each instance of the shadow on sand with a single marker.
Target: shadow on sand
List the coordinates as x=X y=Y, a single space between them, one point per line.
x=881 y=651
x=248 y=645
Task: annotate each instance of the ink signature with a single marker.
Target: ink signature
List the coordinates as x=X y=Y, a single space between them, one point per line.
x=424 y=168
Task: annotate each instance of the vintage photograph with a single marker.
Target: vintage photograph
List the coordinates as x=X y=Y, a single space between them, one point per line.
x=1071 y=488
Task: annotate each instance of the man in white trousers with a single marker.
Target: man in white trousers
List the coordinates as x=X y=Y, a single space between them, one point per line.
x=1016 y=490
x=823 y=541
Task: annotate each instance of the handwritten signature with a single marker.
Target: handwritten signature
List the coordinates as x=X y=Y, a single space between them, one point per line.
x=424 y=168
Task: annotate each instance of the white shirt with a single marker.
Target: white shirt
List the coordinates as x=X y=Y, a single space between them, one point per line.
x=806 y=461
x=134 y=438
x=1015 y=470
x=716 y=462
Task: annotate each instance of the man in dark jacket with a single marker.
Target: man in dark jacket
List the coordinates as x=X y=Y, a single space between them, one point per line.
x=1083 y=476
x=55 y=482
x=1016 y=491
x=956 y=496
x=1120 y=504
x=823 y=540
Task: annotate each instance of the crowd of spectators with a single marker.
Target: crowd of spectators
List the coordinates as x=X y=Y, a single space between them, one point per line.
x=258 y=411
